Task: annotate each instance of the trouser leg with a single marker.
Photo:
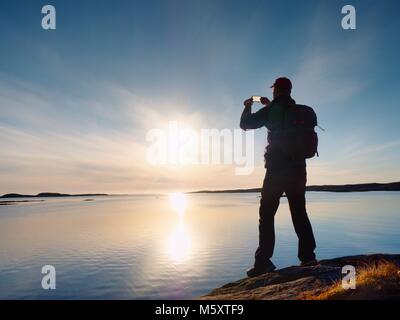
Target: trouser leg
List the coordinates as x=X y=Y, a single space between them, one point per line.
x=270 y=196
x=295 y=193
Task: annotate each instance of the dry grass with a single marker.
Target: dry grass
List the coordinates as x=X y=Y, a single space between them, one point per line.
x=374 y=282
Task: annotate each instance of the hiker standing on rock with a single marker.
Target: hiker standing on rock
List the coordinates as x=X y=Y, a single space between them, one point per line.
x=291 y=140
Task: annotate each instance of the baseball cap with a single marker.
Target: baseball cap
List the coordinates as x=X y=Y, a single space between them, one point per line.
x=283 y=83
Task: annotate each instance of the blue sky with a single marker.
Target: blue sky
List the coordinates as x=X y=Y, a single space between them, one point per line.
x=76 y=103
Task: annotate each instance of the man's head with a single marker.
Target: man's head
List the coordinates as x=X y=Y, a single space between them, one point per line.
x=282 y=87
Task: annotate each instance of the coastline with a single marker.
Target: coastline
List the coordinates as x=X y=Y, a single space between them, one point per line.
x=377 y=277
x=362 y=187
x=51 y=195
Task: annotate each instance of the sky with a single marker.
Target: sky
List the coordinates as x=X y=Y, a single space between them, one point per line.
x=77 y=103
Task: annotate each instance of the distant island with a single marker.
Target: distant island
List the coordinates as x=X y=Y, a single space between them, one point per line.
x=50 y=195
x=363 y=187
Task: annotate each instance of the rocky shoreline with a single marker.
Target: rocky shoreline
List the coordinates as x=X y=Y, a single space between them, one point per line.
x=297 y=283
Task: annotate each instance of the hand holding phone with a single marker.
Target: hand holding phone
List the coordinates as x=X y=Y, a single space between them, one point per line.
x=263 y=100
x=248 y=102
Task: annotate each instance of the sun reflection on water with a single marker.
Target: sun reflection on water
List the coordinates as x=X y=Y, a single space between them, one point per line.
x=179 y=244
x=178 y=202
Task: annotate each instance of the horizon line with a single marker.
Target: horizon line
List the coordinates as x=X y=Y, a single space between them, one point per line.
x=255 y=189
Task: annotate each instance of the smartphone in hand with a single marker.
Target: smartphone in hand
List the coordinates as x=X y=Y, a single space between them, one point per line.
x=263 y=100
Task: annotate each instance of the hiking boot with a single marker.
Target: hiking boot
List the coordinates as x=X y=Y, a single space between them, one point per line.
x=309 y=263
x=257 y=270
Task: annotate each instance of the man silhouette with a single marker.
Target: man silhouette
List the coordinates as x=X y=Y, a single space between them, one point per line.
x=283 y=175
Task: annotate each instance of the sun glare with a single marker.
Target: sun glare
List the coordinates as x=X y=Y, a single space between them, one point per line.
x=178 y=202
x=179 y=242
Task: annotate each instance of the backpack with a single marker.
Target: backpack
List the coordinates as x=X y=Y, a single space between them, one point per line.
x=295 y=136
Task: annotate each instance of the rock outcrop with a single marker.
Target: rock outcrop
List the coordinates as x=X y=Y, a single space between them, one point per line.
x=297 y=282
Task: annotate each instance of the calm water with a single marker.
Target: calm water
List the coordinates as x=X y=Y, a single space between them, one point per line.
x=147 y=247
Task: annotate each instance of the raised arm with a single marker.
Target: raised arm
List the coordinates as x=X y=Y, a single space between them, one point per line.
x=251 y=120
